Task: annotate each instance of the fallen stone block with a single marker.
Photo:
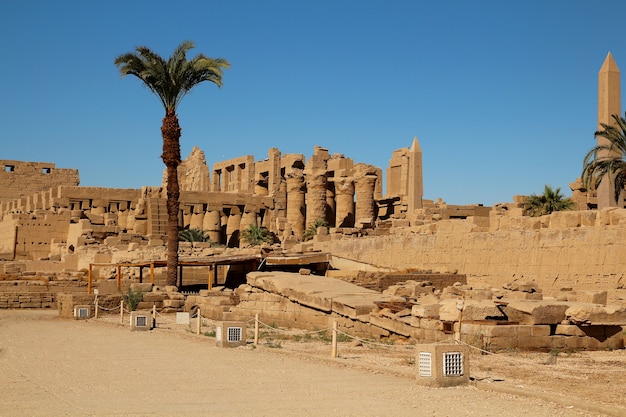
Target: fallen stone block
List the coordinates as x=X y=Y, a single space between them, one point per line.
x=587 y=314
x=540 y=312
x=449 y=310
x=428 y=310
x=592 y=297
x=480 y=310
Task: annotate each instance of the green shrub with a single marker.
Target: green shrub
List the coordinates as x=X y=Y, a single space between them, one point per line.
x=132 y=299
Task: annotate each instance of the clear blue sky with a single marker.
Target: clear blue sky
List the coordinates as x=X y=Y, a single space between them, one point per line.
x=502 y=95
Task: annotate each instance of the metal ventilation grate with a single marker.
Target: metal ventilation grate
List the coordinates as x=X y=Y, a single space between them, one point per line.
x=234 y=334
x=83 y=313
x=425 y=364
x=452 y=364
x=141 y=321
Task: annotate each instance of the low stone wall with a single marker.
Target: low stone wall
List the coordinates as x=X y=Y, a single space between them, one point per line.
x=581 y=250
x=36 y=293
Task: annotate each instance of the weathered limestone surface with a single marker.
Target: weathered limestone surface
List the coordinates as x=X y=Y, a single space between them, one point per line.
x=554 y=258
x=322 y=293
x=597 y=314
x=529 y=312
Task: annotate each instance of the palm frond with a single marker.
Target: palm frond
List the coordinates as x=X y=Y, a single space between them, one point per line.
x=171 y=80
x=607 y=159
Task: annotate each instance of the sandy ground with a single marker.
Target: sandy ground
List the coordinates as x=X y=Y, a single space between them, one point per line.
x=51 y=366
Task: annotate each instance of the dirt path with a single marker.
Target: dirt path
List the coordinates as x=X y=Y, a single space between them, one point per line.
x=57 y=367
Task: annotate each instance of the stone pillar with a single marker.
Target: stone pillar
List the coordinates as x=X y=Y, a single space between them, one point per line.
x=315 y=198
x=130 y=219
x=344 y=200
x=247 y=219
x=295 y=202
x=232 y=228
x=365 y=203
x=122 y=219
x=331 y=206
x=197 y=217
x=212 y=225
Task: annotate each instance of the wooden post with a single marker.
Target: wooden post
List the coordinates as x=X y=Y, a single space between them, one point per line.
x=89 y=279
x=256 y=329
x=460 y=305
x=153 y=315
x=199 y=323
x=122 y=311
x=334 y=343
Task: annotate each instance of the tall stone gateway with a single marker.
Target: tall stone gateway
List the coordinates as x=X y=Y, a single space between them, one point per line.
x=609 y=104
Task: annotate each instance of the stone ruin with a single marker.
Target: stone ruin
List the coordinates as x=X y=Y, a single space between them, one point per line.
x=394 y=265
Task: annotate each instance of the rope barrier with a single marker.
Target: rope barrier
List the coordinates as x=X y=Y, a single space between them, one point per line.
x=108 y=309
x=370 y=342
x=287 y=331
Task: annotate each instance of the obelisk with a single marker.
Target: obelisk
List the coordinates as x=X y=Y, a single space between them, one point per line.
x=415 y=190
x=609 y=104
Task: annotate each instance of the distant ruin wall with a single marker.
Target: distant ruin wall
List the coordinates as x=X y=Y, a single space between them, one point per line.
x=557 y=256
x=19 y=178
x=8 y=234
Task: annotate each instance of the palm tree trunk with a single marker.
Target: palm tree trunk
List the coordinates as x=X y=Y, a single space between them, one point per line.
x=170 y=131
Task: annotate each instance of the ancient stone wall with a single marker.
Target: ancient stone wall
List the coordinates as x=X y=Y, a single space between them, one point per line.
x=19 y=178
x=568 y=249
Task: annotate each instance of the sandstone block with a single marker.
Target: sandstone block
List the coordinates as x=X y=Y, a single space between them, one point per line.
x=430 y=324
x=596 y=314
x=592 y=297
x=153 y=297
x=539 y=312
x=480 y=310
x=478 y=294
x=449 y=311
x=428 y=310
x=141 y=287
x=172 y=303
x=569 y=330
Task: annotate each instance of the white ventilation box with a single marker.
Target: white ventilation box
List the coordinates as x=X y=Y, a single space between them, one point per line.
x=230 y=333
x=442 y=365
x=141 y=320
x=82 y=312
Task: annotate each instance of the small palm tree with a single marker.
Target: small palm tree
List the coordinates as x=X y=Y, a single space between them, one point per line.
x=256 y=235
x=550 y=201
x=607 y=159
x=193 y=235
x=312 y=229
x=171 y=80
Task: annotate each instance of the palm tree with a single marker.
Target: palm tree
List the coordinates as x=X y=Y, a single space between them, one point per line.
x=171 y=80
x=550 y=201
x=312 y=229
x=193 y=235
x=607 y=159
x=256 y=235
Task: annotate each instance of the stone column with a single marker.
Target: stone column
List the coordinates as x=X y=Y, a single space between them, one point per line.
x=295 y=202
x=315 y=198
x=232 y=228
x=247 y=219
x=212 y=225
x=365 y=203
x=330 y=203
x=344 y=202
x=197 y=217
